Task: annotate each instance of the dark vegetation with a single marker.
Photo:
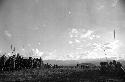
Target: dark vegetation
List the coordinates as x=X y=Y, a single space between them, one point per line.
x=19 y=69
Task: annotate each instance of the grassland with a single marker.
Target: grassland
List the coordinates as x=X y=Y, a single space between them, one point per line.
x=58 y=75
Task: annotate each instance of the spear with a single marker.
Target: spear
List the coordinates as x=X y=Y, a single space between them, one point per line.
x=114 y=34
x=106 y=55
x=11 y=46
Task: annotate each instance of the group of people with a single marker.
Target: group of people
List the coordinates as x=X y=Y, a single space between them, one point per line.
x=17 y=62
x=112 y=67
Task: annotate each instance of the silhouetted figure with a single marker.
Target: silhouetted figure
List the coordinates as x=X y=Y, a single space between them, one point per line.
x=2 y=62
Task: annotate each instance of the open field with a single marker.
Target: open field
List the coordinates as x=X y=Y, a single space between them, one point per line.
x=58 y=75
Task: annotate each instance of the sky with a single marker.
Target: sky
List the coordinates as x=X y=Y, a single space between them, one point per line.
x=63 y=29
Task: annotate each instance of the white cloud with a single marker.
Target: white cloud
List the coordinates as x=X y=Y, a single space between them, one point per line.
x=37 y=53
x=39 y=43
x=88 y=40
x=7 y=33
x=79 y=48
x=91 y=38
x=82 y=33
x=77 y=41
x=112 y=45
x=71 y=36
x=74 y=30
x=83 y=36
x=69 y=12
x=70 y=42
x=87 y=34
x=111 y=48
x=23 y=49
x=97 y=36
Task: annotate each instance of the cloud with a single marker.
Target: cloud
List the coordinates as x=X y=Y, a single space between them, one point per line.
x=78 y=48
x=87 y=34
x=74 y=30
x=8 y=34
x=82 y=33
x=53 y=55
x=110 y=48
x=39 y=43
x=112 y=45
x=90 y=41
x=83 y=39
x=69 y=12
x=37 y=53
x=77 y=41
x=70 y=42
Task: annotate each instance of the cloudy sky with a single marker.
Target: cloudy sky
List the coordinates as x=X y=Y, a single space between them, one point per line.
x=63 y=29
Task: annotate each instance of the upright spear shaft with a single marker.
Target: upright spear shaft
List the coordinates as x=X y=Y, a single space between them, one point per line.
x=114 y=34
x=106 y=55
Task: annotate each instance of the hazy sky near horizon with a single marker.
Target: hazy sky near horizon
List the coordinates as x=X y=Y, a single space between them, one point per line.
x=63 y=29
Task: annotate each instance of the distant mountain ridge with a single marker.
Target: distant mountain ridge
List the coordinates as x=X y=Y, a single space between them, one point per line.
x=74 y=62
